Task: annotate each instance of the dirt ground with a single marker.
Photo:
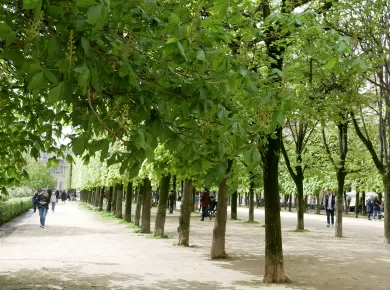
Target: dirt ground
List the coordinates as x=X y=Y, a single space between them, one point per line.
x=79 y=250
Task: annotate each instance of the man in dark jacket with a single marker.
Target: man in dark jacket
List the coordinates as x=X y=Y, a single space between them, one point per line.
x=330 y=200
x=369 y=205
x=376 y=205
x=35 y=201
x=204 y=202
x=171 y=201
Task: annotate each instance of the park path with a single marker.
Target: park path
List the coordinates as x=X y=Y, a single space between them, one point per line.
x=79 y=250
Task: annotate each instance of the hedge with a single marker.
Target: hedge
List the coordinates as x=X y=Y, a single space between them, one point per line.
x=14 y=207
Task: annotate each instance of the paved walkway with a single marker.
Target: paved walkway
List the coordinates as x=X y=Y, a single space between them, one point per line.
x=79 y=250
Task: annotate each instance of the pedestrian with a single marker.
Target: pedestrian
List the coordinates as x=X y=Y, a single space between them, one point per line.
x=196 y=201
x=377 y=208
x=63 y=196
x=57 y=195
x=35 y=201
x=43 y=200
x=330 y=200
x=369 y=207
x=53 y=202
x=171 y=201
x=49 y=193
x=204 y=202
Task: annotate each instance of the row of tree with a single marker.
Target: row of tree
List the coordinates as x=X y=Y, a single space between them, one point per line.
x=205 y=83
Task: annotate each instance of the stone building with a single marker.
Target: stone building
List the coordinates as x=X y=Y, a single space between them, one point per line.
x=60 y=173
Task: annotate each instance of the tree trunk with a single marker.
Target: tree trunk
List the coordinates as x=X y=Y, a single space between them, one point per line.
x=147 y=206
x=339 y=203
x=139 y=205
x=193 y=199
x=301 y=206
x=274 y=265
x=251 y=217
x=318 y=204
x=218 y=244
x=357 y=204
x=101 y=197
x=185 y=214
x=114 y=197
x=129 y=201
x=285 y=201
x=119 y=199
x=239 y=199
x=290 y=203
x=386 y=182
x=109 y=203
x=345 y=202
x=364 y=203
x=162 y=206
x=233 y=206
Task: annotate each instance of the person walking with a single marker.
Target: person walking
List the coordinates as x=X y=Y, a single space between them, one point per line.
x=377 y=208
x=43 y=200
x=53 y=200
x=49 y=193
x=369 y=206
x=330 y=200
x=57 y=195
x=63 y=196
x=204 y=202
x=171 y=201
x=35 y=201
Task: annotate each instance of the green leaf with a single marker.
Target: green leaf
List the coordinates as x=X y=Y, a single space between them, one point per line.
x=200 y=55
x=105 y=147
x=133 y=171
x=252 y=156
x=85 y=45
x=34 y=153
x=330 y=64
x=4 y=30
x=69 y=159
x=55 y=93
x=132 y=78
x=54 y=47
x=31 y=4
x=78 y=145
x=37 y=81
x=85 y=3
x=174 y=18
x=181 y=49
x=94 y=14
x=50 y=76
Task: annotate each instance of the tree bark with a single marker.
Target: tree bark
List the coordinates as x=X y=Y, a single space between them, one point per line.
x=218 y=250
x=274 y=265
x=386 y=182
x=301 y=204
x=364 y=203
x=162 y=206
x=239 y=199
x=339 y=202
x=139 y=205
x=129 y=201
x=114 y=196
x=119 y=199
x=147 y=206
x=185 y=214
x=101 y=197
x=233 y=206
x=290 y=203
x=109 y=202
x=318 y=204
x=357 y=204
x=251 y=217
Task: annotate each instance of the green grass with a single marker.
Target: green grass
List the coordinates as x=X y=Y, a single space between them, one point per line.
x=132 y=226
x=191 y=246
x=299 y=231
x=157 y=237
x=263 y=226
x=248 y=222
x=234 y=219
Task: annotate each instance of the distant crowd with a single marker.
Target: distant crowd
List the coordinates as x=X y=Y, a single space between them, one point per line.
x=43 y=198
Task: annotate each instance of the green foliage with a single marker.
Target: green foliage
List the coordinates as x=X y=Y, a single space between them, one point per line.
x=39 y=175
x=13 y=208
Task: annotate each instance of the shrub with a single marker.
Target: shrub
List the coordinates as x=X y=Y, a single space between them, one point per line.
x=20 y=192
x=14 y=207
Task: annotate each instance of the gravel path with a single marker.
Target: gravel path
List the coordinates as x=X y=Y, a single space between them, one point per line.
x=79 y=250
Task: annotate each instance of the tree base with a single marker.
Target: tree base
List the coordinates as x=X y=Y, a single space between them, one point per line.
x=280 y=279
x=275 y=274
x=219 y=256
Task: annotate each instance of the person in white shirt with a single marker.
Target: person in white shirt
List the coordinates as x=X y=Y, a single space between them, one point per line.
x=53 y=199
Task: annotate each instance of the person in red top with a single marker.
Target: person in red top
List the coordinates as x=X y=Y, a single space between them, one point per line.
x=204 y=202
